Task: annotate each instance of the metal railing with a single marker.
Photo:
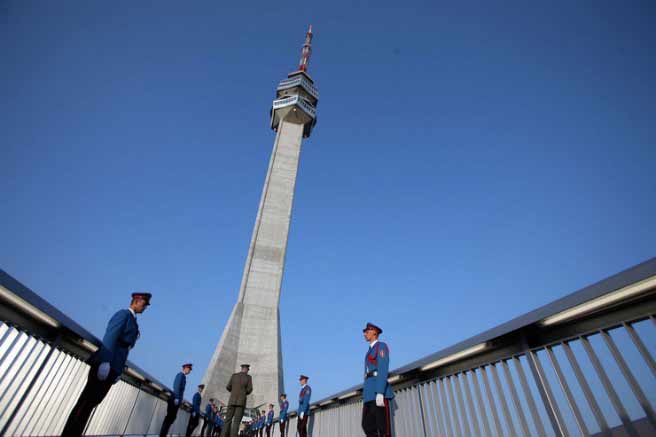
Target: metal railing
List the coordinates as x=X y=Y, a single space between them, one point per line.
x=42 y=373
x=582 y=365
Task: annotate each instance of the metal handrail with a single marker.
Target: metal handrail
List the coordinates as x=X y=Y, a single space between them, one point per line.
x=524 y=327
x=55 y=338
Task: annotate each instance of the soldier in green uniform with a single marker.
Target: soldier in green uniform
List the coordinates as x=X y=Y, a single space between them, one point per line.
x=240 y=386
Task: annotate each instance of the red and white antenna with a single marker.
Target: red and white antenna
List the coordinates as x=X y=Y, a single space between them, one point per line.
x=306 y=51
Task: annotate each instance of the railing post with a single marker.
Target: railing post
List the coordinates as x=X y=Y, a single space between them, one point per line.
x=421 y=410
x=132 y=410
x=152 y=416
x=546 y=394
x=31 y=385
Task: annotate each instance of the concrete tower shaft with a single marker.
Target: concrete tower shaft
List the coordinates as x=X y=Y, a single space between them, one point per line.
x=252 y=334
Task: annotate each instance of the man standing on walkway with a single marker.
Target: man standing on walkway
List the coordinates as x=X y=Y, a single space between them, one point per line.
x=176 y=399
x=377 y=392
x=269 y=420
x=209 y=419
x=240 y=386
x=195 y=411
x=107 y=362
x=303 y=406
x=282 y=419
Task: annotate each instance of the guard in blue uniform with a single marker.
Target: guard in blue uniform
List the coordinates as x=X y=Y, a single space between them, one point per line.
x=107 y=363
x=176 y=399
x=269 y=420
x=303 y=406
x=262 y=423
x=282 y=419
x=377 y=392
x=194 y=418
x=208 y=423
x=218 y=423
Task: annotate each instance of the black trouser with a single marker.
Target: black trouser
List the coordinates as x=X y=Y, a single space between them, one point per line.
x=376 y=421
x=193 y=423
x=206 y=424
x=232 y=421
x=268 y=430
x=301 y=427
x=94 y=392
x=282 y=428
x=171 y=414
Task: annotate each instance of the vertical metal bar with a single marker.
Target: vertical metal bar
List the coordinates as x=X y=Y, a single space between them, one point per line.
x=22 y=364
x=628 y=375
x=438 y=409
x=610 y=391
x=447 y=417
x=470 y=404
x=30 y=386
x=429 y=408
x=72 y=389
x=635 y=338
x=537 y=420
x=48 y=379
x=461 y=405
x=481 y=404
x=502 y=400
x=11 y=364
x=546 y=394
x=515 y=397
x=152 y=416
x=589 y=396
x=11 y=346
x=44 y=412
x=421 y=409
x=136 y=398
x=568 y=393
x=452 y=404
x=490 y=401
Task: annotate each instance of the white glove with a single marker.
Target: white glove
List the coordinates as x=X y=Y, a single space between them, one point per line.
x=176 y=402
x=282 y=420
x=301 y=415
x=103 y=371
x=380 y=400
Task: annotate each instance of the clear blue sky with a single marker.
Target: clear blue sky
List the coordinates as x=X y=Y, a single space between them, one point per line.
x=470 y=163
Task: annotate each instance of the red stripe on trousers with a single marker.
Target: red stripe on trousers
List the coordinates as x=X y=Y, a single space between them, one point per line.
x=388 y=425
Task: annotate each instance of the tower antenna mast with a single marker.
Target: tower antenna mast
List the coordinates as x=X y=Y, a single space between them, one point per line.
x=306 y=51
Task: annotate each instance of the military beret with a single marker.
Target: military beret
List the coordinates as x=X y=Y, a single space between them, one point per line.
x=248 y=366
x=188 y=365
x=372 y=326
x=303 y=377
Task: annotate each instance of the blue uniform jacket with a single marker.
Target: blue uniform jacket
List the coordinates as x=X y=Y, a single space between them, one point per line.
x=195 y=403
x=218 y=421
x=283 y=410
x=377 y=360
x=179 y=386
x=208 y=412
x=269 y=418
x=304 y=400
x=120 y=336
